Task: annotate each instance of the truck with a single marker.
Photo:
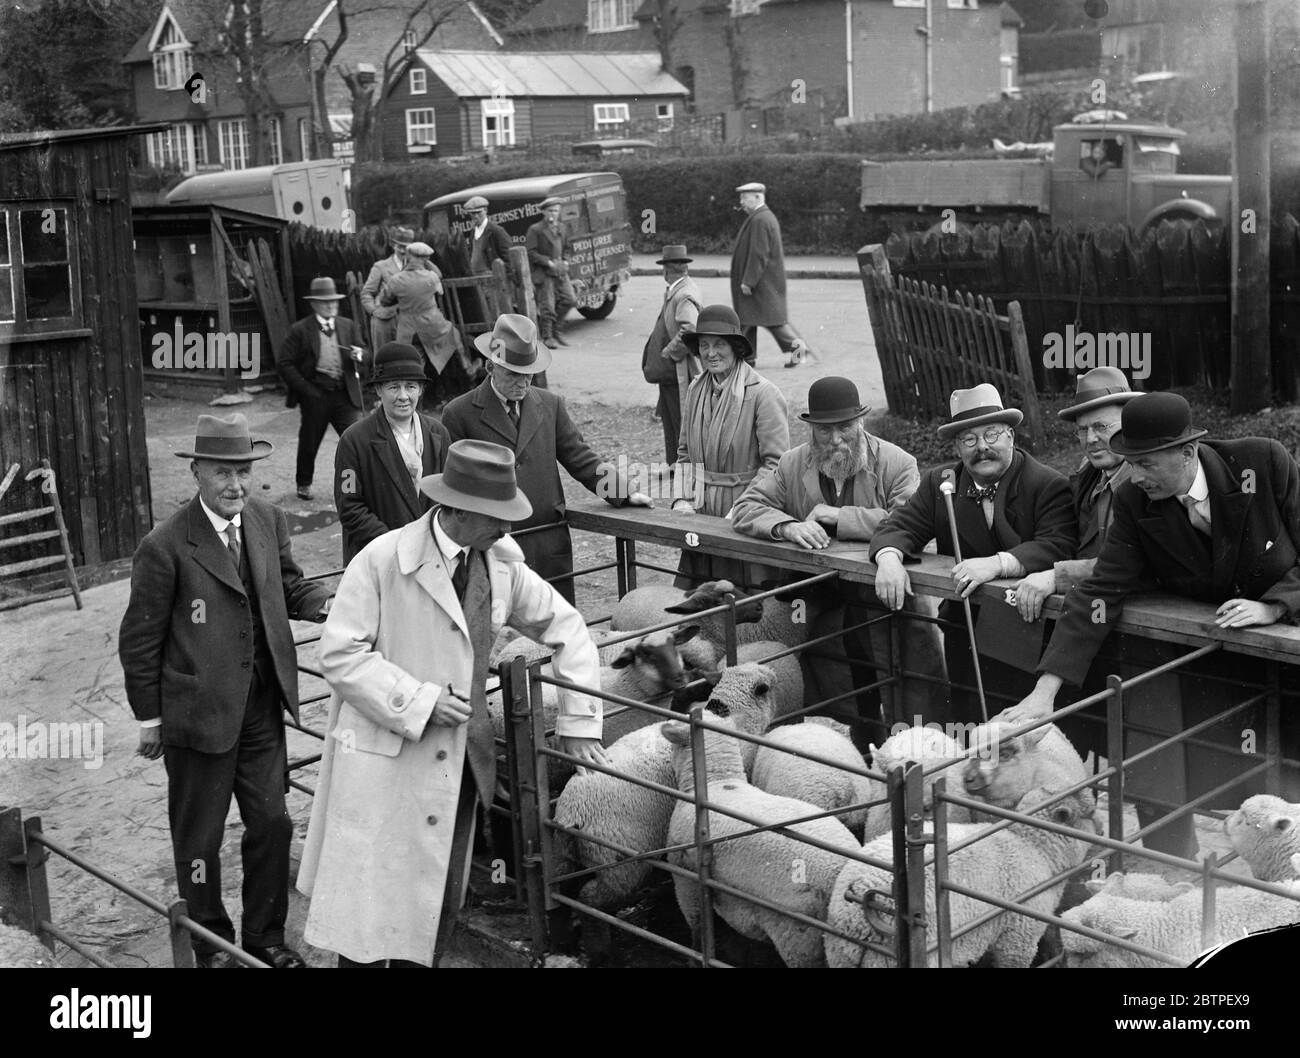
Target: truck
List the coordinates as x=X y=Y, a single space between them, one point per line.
x=1108 y=171
x=312 y=193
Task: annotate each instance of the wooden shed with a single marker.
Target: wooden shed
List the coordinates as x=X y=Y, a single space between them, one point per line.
x=70 y=360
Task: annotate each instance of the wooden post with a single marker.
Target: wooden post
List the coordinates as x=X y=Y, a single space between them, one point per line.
x=525 y=303
x=1251 y=377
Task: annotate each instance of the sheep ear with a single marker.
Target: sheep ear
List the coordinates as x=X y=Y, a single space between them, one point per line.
x=685 y=634
x=872 y=750
x=1183 y=887
x=677 y=734
x=1031 y=738
x=1097 y=885
x=1295 y=863
x=1123 y=932
x=626 y=657
x=1282 y=824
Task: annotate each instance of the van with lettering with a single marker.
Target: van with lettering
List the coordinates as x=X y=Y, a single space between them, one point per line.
x=593 y=212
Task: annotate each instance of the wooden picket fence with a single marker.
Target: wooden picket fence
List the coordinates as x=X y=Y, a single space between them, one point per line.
x=1172 y=282
x=930 y=343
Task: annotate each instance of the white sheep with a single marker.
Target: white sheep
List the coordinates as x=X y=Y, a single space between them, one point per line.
x=1003 y=768
x=1003 y=864
x=806 y=780
x=1138 y=886
x=928 y=747
x=780 y=869
x=772 y=619
x=1171 y=926
x=637 y=818
x=787 y=670
x=1265 y=834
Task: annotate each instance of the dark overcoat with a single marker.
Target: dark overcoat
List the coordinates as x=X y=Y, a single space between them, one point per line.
x=758 y=261
x=301 y=350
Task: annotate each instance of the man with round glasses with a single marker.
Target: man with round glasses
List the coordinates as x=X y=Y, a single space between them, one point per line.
x=1014 y=517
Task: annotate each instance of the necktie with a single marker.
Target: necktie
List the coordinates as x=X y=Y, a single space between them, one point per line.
x=514 y=412
x=327 y=328
x=1198 y=520
x=460 y=579
x=232 y=542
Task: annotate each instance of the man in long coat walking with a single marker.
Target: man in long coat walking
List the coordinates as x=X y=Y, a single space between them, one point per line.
x=758 y=277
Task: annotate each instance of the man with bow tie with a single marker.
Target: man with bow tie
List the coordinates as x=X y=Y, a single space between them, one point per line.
x=1014 y=516
x=319 y=364
x=507 y=409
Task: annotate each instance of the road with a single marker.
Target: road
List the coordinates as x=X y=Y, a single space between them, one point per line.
x=603 y=360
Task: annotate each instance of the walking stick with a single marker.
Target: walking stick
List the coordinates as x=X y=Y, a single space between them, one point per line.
x=947 y=487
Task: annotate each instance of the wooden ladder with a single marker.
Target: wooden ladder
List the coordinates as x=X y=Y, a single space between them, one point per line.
x=60 y=531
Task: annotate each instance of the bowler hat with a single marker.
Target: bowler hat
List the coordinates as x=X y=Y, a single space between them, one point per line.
x=552 y=201
x=833 y=399
x=479 y=476
x=226 y=441
x=400 y=236
x=1096 y=389
x=720 y=320
x=397 y=362
x=322 y=289
x=977 y=407
x=1152 y=422
x=419 y=249
x=513 y=344
x=476 y=202
x=674 y=255
x=754 y=186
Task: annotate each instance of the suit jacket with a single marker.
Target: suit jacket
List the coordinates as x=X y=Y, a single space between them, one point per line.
x=544 y=245
x=680 y=309
x=298 y=357
x=373 y=492
x=1033 y=517
x=383 y=318
x=378 y=846
x=414 y=291
x=496 y=246
x=1252 y=552
x=793 y=490
x=186 y=640
x=758 y=261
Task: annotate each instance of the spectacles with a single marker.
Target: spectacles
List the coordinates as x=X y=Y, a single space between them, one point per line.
x=1101 y=429
x=991 y=436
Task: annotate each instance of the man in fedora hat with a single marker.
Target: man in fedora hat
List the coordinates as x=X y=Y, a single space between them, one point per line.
x=319 y=365
x=1214 y=521
x=841 y=484
x=405 y=652
x=758 y=276
x=665 y=360
x=383 y=318
x=210 y=662
x=534 y=423
x=547 y=243
x=1013 y=517
x=381 y=459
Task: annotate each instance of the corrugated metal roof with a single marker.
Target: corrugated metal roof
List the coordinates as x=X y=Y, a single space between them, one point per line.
x=472 y=74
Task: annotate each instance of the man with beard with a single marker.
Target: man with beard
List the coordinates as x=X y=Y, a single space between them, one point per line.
x=1014 y=516
x=842 y=484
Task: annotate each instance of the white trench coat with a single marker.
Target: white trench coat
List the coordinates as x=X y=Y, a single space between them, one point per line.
x=380 y=837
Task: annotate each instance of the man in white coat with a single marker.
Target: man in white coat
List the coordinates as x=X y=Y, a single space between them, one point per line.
x=405 y=652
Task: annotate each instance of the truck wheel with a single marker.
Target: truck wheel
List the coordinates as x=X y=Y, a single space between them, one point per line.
x=600 y=311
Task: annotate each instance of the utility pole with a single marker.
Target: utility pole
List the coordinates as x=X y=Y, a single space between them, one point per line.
x=1250 y=221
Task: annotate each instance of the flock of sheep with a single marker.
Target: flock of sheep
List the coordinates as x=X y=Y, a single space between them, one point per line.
x=839 y=871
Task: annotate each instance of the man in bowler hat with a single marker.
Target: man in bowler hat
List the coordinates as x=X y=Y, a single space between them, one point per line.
x=665 y=360
x=210 y=663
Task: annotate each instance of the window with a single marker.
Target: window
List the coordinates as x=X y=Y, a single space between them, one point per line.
x=273 y=141
x=420 y=127
x=232 y=136
x=172 y=59
x=498 y=122
x=408 y=40
x=183 y=147
x=419 y=82
x=304 y=138
x=664 y=115
x=610 y=116
x=964 y=5
x=909 y=3
x=39 y=282
x=610 y=16
x=744 y=7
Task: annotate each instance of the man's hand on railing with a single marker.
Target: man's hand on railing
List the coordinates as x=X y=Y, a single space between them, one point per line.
x=683 y=507
x=1032 y=592
x=892 y=582
x=587 y=749
x=808 y=535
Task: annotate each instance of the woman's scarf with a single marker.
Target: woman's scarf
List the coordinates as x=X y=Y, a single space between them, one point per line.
x=713 y=416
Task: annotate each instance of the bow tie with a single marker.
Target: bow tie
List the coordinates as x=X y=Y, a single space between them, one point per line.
x=980 y=493
x=327 y=328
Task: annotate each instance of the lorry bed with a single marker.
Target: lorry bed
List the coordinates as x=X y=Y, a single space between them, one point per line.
x=1022 y=183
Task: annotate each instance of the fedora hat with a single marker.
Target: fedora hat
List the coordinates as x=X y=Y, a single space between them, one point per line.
x=397 y=362
x=674 y=255
x=479 y=476
x=400 y=236
x=1152 y=422
x=977 y=407
x=322 y=289
x=513 y=344
x=720 y=320
x=226 y=441
x=476 y=202
x=833 y=399
x=1096 y=389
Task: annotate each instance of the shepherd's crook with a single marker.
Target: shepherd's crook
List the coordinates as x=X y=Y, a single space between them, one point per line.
x=947 y=487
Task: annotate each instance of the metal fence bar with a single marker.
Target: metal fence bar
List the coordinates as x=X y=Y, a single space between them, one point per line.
x=637 y=931
x=1115 y=753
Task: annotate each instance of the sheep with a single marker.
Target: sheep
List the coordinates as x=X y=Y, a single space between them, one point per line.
x=789 y=693
x=697 y=653
x=1138 y=886
x=1003 y=864
x=1042 y=757
x=774 y=622
x=656 y=603
x=1264 y=833
x=928 y=747
x=806 y=780
x=778 y=868
x=637 y=818
x=1172 y=926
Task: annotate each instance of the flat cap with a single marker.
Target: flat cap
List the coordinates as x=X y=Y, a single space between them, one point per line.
x=419 y=249
x=477 y=202
x=755 y=186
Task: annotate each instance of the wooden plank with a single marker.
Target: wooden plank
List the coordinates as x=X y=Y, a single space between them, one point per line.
x=30 y=564
x=1020 y=350
x=27 y=538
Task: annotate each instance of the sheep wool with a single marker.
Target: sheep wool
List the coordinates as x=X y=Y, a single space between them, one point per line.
x=824 y=785
x=1003 y=769
x=780 y=869
x=1138 y=886
x=1265 y=832
x=927 y=747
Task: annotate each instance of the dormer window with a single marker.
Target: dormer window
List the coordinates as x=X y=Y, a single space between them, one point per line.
x=609 y=16
x=173 y=60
